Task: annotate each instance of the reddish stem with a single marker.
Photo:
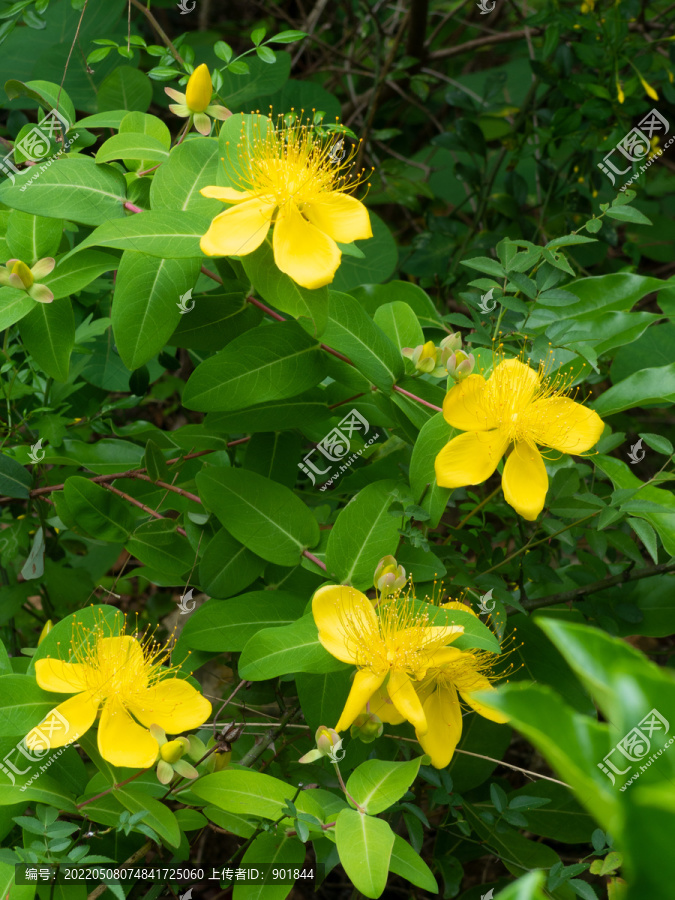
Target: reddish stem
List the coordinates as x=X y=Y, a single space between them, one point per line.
x=211 y=274
x=150 y=512
x=265 y=309
x=314 y=559
x=417 y=399
x=132 y=207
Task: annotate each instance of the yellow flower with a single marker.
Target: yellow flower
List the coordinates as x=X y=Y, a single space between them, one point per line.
x=114 y=675
x=390 y=644
x=16 y=274
x=292 y=178
x=620 y=96
x=515 y=409
x=196 y=101
x=463 y=672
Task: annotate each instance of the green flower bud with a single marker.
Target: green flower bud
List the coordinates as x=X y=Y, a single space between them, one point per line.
x=460 y=365
x=451 y=343
x=172 y=751
x=367 y=727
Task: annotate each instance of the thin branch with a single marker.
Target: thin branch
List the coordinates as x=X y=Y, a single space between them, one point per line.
x=259 y=748
x=146 y=509
x=417 y=399
x=163 y=36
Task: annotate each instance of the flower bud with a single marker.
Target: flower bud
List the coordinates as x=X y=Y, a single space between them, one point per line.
x=389 y=576
x=172 y=751
x=45 y=631
x=423 y=357
x=23 y=272
x=221 y=760
x=328 y=740
x=367 y=727
x=199 y=89
x=452 y=342
x=460 y=365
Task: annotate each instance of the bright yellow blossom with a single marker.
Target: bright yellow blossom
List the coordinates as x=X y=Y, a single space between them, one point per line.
x=196 y=101
x=295 y=180
x=391 y=644
x=115 y=675
x=515 y=409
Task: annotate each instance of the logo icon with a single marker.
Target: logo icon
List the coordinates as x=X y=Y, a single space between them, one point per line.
x=184 y=603
x=35 y=456
x=338 y=151
x=485 y=8
x=188 y=894
x=186 y=299
x=184 y=9
x=637 y=454
x=484 y=305
x=490 y=894
x=35 y=144
x=336 y=753
x=483 y=604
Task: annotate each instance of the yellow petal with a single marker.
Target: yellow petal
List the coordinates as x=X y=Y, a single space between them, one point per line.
x=444 y=715
x=464 y=406
x=445 y=655
x=302 y=251
x=380 y=705
x=239 y=230
x=482 y=684
x=59 y=676
x=341 y=216
x=364 y=686
x=339 y=611
x=403 y=696
x=173 y=704
x=525 y=481
x=564 y=425
x=78 y=711
x=511 y=387
x=226 y=194
x=470 y=458
x=122 y=741
x=199 y=89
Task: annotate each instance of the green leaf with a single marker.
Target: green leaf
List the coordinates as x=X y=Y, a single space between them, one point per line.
x=433 y=436
x=646 y=386
x=658 y=443
x=48 y=332
x=268 y=363
x=145 y=309
x=30 y=238
x=272 y=850
x=125 y=88
x=132 y=146
x=46 y=789
x=569 y=240
x=73 y=189
x=281 y=651
x=380 y=257
x=628 y=214
x=48 y=94
x=476 y=634
x=622 y=478
x=266 y=54
x=191 y=166
x=282 y=292
x=365 y=845
x=15 y=480
x=399 y=322
x=363 y=533
x=97 y=511
x=261 y=79
x=215 y=321
x=409 y=865
x=244 y=792
x=14 y=305
x=76 y=272
x=157 y=816
x=24 y=705
x=487 y=265
x=377 y=784
x=157 y=232
x=227 y=567
x=322 y=697
x=276 y=415
x=351 y=331
x=157 y=544
x=264 y=516
x=287 y=37
x=228 y=626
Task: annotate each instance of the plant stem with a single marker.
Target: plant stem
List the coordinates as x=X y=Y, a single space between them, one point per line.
x=344 y=789
x=314 y=559
x=401 y=390
x=160 y=31
x=113 y=788
x=471 y=514
x=269 y=738
x=150 y=512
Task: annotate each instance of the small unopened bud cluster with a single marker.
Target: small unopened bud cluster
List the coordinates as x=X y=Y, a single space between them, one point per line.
x=445 y=359
x=389 y=577
x=170 y=761
x=367 y=727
